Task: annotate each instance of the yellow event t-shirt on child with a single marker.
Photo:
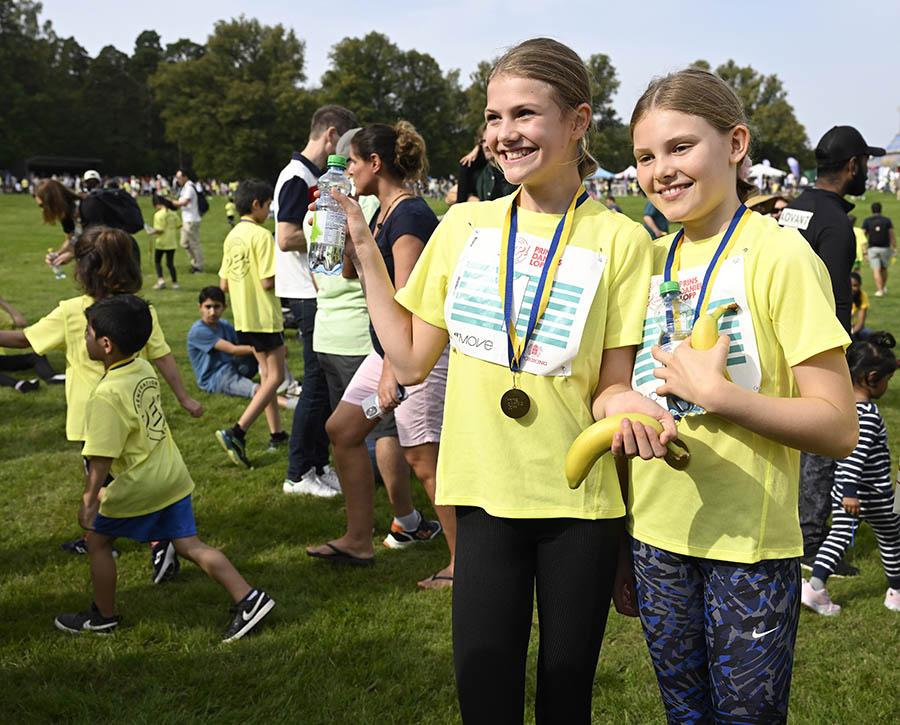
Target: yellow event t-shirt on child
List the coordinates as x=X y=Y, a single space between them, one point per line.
x=124 y=421
x=737 y=499
x=515 y=467
x=249 y=257
x=63 y=329
x=166 y=222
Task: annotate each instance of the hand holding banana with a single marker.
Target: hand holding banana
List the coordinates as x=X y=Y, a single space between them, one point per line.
x=596 y=440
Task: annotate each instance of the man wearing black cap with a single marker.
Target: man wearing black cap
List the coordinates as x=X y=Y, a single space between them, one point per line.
x=820 y=215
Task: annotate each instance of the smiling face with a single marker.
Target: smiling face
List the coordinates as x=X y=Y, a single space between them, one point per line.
x=533 y=139
x=688 y=169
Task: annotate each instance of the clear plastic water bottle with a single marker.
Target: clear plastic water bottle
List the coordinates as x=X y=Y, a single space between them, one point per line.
x=676 y=318
x=329 y=229
x=55 y=268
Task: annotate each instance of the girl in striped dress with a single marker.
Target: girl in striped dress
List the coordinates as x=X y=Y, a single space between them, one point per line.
x=862 y=487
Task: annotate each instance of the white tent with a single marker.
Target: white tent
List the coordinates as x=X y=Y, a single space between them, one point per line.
x=629 y=173
x=761 y=170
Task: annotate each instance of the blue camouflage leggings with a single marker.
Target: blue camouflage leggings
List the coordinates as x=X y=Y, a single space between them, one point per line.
x=721 y=635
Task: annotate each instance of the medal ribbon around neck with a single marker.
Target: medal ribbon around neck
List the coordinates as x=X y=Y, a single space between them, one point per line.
x=515 y=346
x=673 y=260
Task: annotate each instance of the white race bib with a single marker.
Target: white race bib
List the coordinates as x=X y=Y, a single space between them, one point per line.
x=474 y=313
x=743 y=355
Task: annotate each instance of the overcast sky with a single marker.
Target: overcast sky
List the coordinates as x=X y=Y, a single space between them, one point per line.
x=838 y=60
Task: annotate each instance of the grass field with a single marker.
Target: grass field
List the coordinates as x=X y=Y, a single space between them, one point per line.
x=342 y=645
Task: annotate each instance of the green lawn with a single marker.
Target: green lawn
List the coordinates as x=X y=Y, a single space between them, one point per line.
x=342 y=645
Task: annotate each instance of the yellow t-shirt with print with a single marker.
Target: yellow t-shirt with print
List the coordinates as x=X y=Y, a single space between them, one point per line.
x=737 y=500
x=63 y=329
x=248 y=257
x=124 y=421
x=166 y=222
x=515 y=467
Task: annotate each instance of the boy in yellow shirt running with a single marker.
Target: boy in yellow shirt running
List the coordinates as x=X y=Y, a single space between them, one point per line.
x=150 y=497
x=248 y=274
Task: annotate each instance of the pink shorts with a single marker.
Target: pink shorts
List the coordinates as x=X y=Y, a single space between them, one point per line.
x=420 y=416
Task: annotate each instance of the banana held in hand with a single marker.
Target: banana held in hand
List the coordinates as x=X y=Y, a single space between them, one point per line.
x=705 y=332
x=596 y=440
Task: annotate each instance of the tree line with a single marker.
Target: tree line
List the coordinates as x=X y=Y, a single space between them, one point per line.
x=238 y=105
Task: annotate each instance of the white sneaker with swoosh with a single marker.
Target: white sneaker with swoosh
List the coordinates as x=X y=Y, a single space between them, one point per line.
x=247 y=614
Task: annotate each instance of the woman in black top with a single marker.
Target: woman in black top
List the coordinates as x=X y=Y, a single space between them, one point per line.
x=385 y=161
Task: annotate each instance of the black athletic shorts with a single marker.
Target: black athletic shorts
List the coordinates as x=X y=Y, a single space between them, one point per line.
x=261 y=341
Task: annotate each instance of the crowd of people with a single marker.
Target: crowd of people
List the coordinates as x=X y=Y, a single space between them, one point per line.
x=490 y=339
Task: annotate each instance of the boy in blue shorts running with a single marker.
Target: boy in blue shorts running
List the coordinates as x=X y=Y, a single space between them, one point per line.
x=150 y=497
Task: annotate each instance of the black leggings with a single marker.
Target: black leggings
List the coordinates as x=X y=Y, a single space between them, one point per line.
x=498 y=562
x=170 y=263
x=24 y=361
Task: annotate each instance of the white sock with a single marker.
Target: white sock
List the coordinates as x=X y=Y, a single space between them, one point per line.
x=410 y=522
x=251 y=596
x=816 y=583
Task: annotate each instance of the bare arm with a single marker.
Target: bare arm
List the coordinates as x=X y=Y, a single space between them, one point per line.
x=13 y=338
x=181 y=202
x=267 y=283
x=291 y=237
x=90 y=500
x=648 y=220
x=223 y=284
x=822 y=420
x=893 y=239
x=413 y=345
x=232 y=349
x=18 y=319
x=169 y=370
x=860 y=319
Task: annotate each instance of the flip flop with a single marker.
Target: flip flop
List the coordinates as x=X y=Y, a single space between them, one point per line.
x=341 y=557
x=436 y=578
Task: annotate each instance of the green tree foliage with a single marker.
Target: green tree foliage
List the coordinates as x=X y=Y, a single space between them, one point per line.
x=610 y=143
x=381 y=83
x=237 y=109
x=776 y=131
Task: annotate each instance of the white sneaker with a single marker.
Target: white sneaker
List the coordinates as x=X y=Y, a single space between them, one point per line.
x=892 y=600
x=293 y=390
x=819 y=601
x=879 y=293
x=310 y=485
x=330 y=478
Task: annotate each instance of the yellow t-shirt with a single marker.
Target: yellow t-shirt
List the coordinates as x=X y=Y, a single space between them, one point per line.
x=860 y=240
x=230 y=209
x=515 y=468
x=166 y=222
x=124 y=421
x=737 y=500
x=63 y=329
x=863 y=303
x=248 y=257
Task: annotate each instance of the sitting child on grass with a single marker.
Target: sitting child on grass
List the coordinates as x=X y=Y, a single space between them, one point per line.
x=213 y=350
x=150 y=497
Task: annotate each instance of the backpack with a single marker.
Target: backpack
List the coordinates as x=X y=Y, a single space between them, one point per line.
x=202 y=202
x=123 y=209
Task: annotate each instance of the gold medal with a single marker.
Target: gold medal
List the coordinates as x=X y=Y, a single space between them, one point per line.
x=515 y=403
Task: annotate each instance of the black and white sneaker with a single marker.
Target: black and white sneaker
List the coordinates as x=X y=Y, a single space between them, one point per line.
x=400 y=539
x=165 y=561
x=247 y=614
x=91 y=621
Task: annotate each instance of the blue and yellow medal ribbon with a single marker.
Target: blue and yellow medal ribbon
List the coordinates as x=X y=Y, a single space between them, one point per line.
x=516 y=347
x=673 y=260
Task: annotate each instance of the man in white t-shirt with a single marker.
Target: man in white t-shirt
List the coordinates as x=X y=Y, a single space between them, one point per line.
x=308 y=447
x=190 y=221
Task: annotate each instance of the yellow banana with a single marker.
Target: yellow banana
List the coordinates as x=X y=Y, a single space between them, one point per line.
x=705 y=332
x=596 y=440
